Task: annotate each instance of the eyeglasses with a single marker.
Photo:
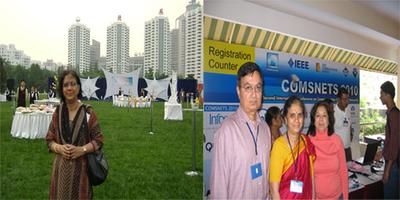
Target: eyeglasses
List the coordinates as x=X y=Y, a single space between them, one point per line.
x=248 y=88
x=72 y=84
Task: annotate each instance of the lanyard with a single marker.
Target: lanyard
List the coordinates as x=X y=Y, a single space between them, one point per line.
x=252 y=135
x=298 y=152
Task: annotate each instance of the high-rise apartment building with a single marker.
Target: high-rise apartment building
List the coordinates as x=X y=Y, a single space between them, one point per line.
x=175 y=50
x=79 y=47
x=136 y=62
x=157 y=45
x=181 y=24
x=117 y=47
x=190 y=42
x=194 y=41
x=14 y=56
x=50 y=65
x=94 y=55
x=102 y=62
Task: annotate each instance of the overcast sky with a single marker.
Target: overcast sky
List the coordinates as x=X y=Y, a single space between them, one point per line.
x=40 y=27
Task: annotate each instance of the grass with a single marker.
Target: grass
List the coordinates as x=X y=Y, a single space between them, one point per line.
x=141 y=165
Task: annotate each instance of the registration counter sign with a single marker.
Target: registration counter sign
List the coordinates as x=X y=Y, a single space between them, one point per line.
x=224 y=58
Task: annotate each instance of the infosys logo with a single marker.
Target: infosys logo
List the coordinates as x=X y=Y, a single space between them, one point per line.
x=215 y=119
x=300 y=64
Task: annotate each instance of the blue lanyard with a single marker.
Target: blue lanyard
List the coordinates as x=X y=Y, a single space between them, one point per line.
x=298 y=152
x=252 y=135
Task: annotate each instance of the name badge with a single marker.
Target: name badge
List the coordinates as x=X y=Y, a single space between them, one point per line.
x=296 y=186
x=256 y=171
x=345 y=123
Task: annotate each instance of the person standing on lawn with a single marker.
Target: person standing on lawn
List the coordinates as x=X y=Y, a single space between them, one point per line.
x=73 y=132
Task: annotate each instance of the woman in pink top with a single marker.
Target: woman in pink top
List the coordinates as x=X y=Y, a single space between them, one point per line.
x=330 y=169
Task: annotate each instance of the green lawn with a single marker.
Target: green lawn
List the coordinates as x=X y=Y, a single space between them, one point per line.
x=141 y=165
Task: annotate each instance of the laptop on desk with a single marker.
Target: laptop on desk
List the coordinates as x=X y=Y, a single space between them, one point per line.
x=369 y=154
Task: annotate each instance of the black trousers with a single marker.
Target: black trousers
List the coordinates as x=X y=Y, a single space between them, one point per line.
x=347 y=151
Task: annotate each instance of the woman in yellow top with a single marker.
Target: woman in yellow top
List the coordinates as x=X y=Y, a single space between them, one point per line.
x=292 y=157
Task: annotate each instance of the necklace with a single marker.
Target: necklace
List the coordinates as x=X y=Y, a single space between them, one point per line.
x=73 y=107
x=289 y=138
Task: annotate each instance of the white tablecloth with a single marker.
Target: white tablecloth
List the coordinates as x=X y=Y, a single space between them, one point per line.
x=31 y=126
x=133 y=102
x=173 y=111
x=3 y=98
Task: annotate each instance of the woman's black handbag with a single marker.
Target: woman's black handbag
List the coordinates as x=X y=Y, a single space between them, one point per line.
x=97 y=167
x=97 y=163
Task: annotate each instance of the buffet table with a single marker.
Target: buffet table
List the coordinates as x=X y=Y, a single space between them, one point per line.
x=173 y=111
x=31 y=125
x=50 y=102
x=132 y=102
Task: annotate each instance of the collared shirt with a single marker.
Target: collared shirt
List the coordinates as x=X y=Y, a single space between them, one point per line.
x=343 y=124
x=392 y=134
x=234 y=154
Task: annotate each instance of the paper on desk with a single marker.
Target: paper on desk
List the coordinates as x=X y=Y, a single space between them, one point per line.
x=349 y=173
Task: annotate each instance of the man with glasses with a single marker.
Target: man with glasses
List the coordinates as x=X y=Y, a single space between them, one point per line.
x=242 y=144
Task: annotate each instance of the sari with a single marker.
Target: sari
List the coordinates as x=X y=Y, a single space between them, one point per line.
x=284 y=169
x=69 y=179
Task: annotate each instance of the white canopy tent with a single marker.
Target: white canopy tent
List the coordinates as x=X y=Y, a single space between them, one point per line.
x=89 y=87
x=158 y=88
x=128 y=82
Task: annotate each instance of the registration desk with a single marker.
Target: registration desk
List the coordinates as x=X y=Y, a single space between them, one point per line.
x=370 y=184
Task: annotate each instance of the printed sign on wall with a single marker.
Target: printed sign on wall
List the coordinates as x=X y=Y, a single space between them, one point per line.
x=283 y=74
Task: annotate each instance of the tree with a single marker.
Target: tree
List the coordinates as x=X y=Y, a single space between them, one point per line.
x=33 y=75
x=3 y=75
x=60 y=69
x=93 y=73
x=181 y=76
x=160 y=76
x=363 y=103
x=190 y=76
x=149 y=74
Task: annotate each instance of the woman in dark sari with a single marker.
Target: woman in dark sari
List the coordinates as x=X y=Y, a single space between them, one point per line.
x=74 y=131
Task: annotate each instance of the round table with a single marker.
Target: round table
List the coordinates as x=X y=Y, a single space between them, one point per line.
x=31 y=125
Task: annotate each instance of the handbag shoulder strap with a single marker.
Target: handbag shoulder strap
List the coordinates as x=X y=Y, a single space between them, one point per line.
x=87 y=117
x=88 y=109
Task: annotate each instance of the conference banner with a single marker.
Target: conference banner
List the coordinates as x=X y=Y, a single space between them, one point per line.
x=283 y=75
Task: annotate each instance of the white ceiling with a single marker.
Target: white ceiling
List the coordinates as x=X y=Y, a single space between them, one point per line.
x=368 y=18
x=388 y=8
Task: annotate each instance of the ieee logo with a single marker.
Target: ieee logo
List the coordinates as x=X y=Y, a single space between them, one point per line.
x=345 y=72
x=272 y=60
x=301 y=64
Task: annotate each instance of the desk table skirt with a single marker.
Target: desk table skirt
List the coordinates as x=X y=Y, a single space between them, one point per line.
x=31 y=126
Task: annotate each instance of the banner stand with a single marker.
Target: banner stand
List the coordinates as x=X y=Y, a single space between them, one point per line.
x=151 y=117
x=193 y=172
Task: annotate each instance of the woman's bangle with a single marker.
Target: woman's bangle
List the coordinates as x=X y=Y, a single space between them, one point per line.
x=54 y=147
